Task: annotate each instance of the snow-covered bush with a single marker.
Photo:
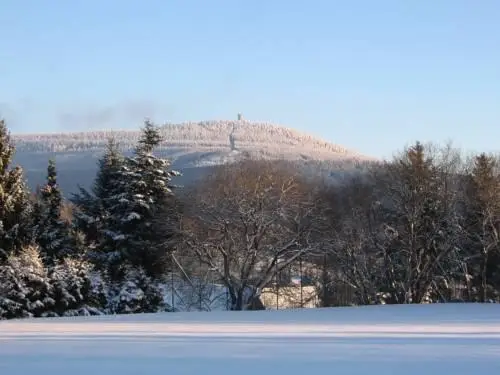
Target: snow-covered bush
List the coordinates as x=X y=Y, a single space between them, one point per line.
x=28 y=289
x=137 y=293
x=73 y=289
x=25 y=288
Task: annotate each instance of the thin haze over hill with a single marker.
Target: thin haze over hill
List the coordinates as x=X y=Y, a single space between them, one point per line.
x=193 y=148
x=260 y=138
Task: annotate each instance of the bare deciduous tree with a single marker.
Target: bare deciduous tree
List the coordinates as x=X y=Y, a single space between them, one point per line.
x=347 y=242
x=248 y=221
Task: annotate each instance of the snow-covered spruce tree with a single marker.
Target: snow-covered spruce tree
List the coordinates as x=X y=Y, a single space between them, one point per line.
x=53 y=234
x=94 y=213
x=37 y=212
x=74 y=290
x=136 y=293
x=15 y=205
x=25 y=289
x=85 y=214
x=145 y=188
x=107 y=181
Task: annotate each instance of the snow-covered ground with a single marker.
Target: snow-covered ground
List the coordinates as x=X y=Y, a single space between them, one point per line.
x=425 y=339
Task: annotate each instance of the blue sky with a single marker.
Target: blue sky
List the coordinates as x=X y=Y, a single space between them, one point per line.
x=370 y=75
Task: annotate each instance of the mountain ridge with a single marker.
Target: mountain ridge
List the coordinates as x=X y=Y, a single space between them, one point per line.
x=227 y=134
x=193 y=148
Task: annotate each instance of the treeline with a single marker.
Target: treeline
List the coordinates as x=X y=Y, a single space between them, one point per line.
x=421 y=228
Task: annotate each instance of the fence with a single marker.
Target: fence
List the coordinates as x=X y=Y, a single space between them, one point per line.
x=192 y=286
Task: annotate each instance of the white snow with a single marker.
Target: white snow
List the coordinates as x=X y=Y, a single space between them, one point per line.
x=218 y=139
x=424 y=339
x=133 y=216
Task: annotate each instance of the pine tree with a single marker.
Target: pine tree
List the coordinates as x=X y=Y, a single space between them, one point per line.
x=25 y=289
x=107 y=180
x=15 y=205
x=94 y=210
x=118 y=215
x=73 y=290
x=147 y=189
x=86 y=216
x=53 y=233
x=482 y=223
x=419 y=226
x=136 y=293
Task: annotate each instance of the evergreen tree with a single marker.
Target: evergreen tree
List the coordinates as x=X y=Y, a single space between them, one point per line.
x=94 y=210
x=137 y=293
x=86 y=216
x=53 y=233
x=107 y=181
x=147 y=189
x=118 y=215
x=25 y=289
x=419 y=226
x=37 y=212
x=482 y=224
x=73 y=290
x=15 y=207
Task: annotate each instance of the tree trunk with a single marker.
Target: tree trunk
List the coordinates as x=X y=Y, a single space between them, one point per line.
x=237 y=301
x=484 y=278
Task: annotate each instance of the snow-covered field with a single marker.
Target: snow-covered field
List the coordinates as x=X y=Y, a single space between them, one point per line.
x=425 y=339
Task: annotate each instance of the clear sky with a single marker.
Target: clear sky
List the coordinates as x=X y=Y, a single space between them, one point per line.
x=370 y=75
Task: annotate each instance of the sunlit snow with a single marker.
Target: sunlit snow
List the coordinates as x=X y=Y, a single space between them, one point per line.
x=426 y=339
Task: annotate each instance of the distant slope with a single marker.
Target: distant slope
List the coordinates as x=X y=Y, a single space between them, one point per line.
x=260 y=137
x=189 y=145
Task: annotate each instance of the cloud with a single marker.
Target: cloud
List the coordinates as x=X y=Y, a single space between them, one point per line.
x=7 y=112
x=26 y=115
x=124 y=114
x=15 y=113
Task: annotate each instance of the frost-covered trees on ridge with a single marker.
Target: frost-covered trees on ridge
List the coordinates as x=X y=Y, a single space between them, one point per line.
x=191 y=144
x=274 y=140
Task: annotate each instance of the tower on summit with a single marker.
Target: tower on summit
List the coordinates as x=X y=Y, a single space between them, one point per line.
x=240 y=116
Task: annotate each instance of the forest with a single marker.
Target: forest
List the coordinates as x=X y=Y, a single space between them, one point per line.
x=422 y=227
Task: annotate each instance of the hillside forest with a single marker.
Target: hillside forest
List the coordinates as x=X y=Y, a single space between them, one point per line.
x=422 y=227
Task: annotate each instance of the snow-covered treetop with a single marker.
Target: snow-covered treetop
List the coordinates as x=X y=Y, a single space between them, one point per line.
x=258 y=138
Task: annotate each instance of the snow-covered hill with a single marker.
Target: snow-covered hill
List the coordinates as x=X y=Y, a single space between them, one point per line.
x=190 y=146
x=457 y=339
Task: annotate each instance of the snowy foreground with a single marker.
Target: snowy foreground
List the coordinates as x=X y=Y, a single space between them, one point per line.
x=426 y=339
